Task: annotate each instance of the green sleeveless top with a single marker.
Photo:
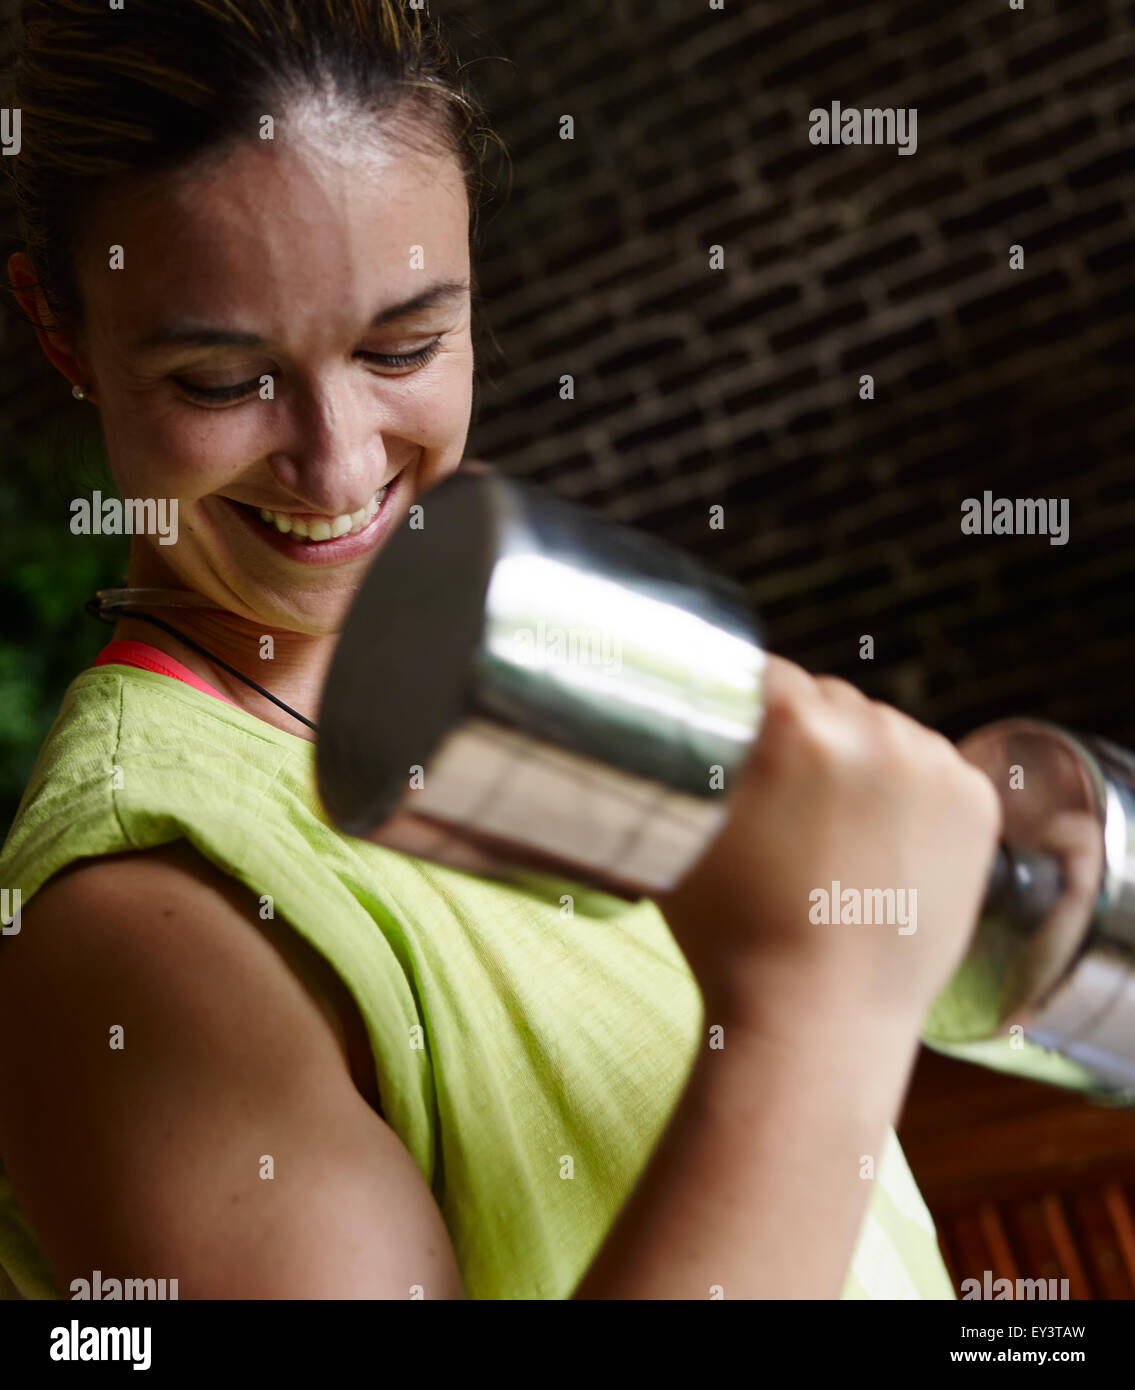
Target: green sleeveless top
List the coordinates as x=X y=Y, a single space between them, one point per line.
x=513 y=1027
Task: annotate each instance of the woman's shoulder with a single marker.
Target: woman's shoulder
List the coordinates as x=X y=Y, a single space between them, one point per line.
x=135 y=759
x=157 y=898
x=157 y=924
x=110 y=714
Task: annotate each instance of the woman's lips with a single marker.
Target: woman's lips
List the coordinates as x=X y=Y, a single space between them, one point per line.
x=326 y=552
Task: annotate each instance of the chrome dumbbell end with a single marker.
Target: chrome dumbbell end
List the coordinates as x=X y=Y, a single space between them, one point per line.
x=1055 y=943
x=566 y=686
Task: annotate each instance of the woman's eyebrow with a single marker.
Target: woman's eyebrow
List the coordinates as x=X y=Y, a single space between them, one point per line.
x=185 y=334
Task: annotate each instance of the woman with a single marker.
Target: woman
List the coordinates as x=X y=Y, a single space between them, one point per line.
x=240 y=1050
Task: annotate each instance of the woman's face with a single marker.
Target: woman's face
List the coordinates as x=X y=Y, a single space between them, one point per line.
x=277 y=261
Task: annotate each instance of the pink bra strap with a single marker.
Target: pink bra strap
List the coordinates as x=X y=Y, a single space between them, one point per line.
x=127 y=653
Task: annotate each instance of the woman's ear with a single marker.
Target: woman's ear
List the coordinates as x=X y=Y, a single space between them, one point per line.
x=56 y=344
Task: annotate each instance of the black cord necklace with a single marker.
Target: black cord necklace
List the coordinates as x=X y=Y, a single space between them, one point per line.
x=109 y=602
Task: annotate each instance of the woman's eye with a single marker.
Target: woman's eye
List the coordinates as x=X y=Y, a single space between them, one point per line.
x=404 y=359
x=217 y=393
x=236 y=392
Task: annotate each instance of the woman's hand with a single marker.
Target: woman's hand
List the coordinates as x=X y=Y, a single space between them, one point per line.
x=839 y=789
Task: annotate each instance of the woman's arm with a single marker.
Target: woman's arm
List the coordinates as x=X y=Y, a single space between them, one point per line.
x=757 y=1187
x=146 y=1162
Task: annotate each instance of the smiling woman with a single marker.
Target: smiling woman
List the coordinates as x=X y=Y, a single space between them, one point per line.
x=256 y=335
x=237 y=1048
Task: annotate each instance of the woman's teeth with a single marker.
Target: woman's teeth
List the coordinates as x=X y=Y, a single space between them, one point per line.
x=327 y=528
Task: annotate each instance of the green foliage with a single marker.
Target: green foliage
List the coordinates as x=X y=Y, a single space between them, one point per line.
x=47 y=575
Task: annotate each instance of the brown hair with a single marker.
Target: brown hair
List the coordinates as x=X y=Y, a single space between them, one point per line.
x=153 y=86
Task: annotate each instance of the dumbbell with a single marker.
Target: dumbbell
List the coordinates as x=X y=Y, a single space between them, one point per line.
x=522 y=685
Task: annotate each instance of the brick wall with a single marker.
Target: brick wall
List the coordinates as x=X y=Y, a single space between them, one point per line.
x=741 y=386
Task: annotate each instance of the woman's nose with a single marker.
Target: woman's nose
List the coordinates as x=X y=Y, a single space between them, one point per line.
x=334 y=459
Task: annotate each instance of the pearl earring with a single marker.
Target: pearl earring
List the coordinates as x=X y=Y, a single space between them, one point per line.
x=78 y=393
